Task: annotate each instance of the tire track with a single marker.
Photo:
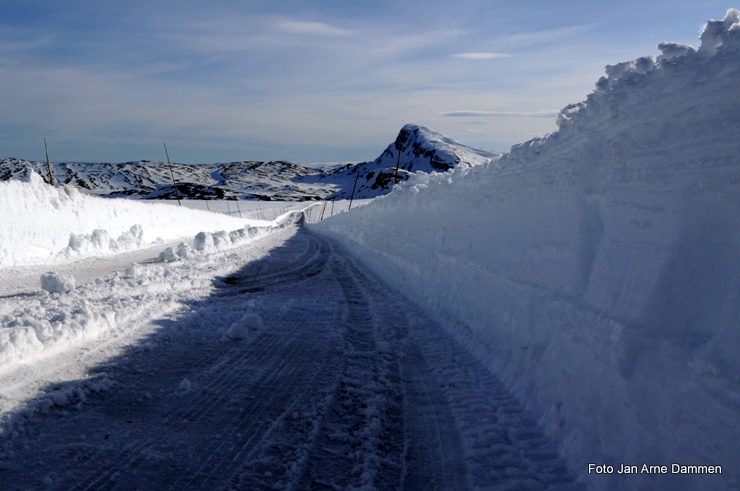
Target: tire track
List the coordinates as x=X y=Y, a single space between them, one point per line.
x=350 y=386
x=309 y=264
x=230 y=375
x=361 y=444
x=464 y=429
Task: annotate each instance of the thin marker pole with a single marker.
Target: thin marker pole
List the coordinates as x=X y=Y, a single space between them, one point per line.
x=228 y=207
x=399 y=147
x=48 y=165
x=172 y=174
x=238 y=208
x=353 y=190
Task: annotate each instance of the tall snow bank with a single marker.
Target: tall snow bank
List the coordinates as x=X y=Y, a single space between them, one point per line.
x=597 y=269
x=42 y=224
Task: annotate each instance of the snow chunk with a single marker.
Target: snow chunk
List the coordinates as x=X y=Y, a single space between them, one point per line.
x=203 y=242
x=185 y=385
x=715 y=32
x=670 y=51
x=237 y=332
x=32 y=177
x=250 y=322
x=184 y=250
x=60 y=399
x=168 y=255
x=56 y=283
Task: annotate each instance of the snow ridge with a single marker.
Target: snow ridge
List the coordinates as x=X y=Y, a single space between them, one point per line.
x=597 y=268
x=50 y=225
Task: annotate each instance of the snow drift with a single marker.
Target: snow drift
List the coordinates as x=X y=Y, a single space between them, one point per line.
x=42 y=224
x=597 y=269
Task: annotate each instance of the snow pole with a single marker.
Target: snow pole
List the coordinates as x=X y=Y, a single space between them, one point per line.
x=228 y=208
x=398 y=162
x=238 y=208
x=48 y=165
x=331 y=213
x=172 y=174
x=353 y=190
x=321 y=218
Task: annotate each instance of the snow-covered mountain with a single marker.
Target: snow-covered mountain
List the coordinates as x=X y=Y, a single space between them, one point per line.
x=422 y=150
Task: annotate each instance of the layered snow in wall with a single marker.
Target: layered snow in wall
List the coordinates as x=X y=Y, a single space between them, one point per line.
x=42 y=224
x=597 y=269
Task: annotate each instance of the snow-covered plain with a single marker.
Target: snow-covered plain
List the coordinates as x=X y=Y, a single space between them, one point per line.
x=597 y=269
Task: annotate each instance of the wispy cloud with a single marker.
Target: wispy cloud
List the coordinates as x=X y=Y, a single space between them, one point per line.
x=310 y=28
x=504 y=114
x=481 y=56
x=536 y=38
x=236 y=83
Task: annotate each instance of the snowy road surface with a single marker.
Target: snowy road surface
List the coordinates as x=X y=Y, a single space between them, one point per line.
x=341 y=383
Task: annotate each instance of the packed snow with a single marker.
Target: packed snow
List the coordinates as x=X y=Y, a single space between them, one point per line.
x=597 y=269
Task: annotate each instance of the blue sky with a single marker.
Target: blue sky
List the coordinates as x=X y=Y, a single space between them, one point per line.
x=306 y=81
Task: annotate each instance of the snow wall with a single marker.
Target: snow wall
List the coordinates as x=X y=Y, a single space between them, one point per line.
x=596 y=269
x=41 y=224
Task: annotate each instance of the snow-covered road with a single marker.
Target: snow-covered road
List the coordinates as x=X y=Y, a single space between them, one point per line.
x=340 y=383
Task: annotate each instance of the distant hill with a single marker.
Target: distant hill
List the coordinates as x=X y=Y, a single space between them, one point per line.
x=422 y=150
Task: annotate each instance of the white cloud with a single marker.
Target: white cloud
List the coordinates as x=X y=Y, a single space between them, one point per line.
x=506 y=114
x=481 y=56
x=536 y=38
x=311 y=28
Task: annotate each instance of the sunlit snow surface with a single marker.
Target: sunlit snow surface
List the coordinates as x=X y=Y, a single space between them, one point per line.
x=46 y=229
x=598 y=268
x=48 y=225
